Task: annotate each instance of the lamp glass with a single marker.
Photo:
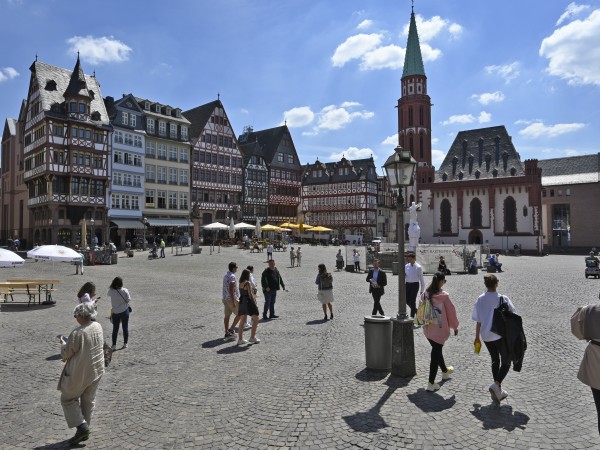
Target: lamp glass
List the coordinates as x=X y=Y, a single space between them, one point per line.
x=400 y=168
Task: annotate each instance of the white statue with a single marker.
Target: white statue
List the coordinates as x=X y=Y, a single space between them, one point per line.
x=414 y=231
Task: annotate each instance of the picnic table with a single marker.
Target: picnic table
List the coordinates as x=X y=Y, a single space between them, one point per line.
x=30 y=288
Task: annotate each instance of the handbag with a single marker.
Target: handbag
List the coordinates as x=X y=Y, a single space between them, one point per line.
x=110 y=315
x=499 y=319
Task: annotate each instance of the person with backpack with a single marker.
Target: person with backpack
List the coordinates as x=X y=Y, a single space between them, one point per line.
x=324 y=282
x=483 y=314
x=437 y=331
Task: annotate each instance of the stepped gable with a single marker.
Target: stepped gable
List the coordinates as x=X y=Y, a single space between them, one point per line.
x=199 y=116
x=54 y=82
x=570 y=170
x=484 y=153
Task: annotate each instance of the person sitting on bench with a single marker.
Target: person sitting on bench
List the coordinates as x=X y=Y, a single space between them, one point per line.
x=495 y=263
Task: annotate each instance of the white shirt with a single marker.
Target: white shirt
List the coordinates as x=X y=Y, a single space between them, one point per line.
x=483 y=312
x=356 y=257
x=414 y=274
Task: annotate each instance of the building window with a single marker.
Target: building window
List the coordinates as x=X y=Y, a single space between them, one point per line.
x=162 y=128
x=173 y=130
x=125 y=118
x=476 y=216
x=161 y=197
x=290 y=159
x=561 y=226
x=510 y=214
x=184 y=133
x=150 y=173
x=183 y=200
x=133 y=120
x=162 y=151
x=150 y=150
x=162 y=175
x=150 y=126
x=279 y=157
x=172 y=176
x=147 y=106
x=183 y=177
x=446 y=216
x=183 y=155
x=150 y=198
x=172 y=153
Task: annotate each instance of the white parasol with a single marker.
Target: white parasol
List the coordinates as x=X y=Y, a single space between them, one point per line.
x=258 y=227
x=244 y=226
x=10 y=259
x=215 y=226
x=58 y=253
x=231 y=229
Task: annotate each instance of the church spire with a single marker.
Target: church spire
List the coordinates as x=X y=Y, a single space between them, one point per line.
x=413 y=61
x=77 y=85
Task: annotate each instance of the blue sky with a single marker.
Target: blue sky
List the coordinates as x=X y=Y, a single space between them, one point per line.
x=331 y=68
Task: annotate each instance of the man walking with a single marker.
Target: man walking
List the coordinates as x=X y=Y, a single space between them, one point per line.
x=231 y=297
x=271 y=282
x=377 y=280
x=162 y=248
x=414 y=277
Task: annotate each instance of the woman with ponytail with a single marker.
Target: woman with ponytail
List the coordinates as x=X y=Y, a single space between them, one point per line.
x=438 y=332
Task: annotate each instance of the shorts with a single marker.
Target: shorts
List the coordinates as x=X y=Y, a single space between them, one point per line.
x=248 y=307
x=228 y=307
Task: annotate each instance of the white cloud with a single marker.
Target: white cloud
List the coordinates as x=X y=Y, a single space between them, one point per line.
x=573 y=52
x=355 y=47
x=332 y=118
x=99 y=50
x=462 y=118
x=507 y=71
x=429 y=29
x=484 y=117
x=489 y=97
x=455 y=29
x=8 y=73
x=364 y=24
x=538 y=129
x=244 y=111
x=353 y=153
x=298 y=117
x=434 y=141
x=524 y=122
x=429 y=53
x=570 y=152
x=387 y=57
x=437 y=157
x=349 y=104
x=571 y=10
x=390 y=140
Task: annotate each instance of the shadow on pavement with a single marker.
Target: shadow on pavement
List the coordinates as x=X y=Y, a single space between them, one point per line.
x=316 y=322
x=371 y=375
x=493 y=416
x=371 y=420
x=233 y=349
x=431 y=401
x=53 y=357
x=214 y=343
x=61 y=444
x=16 y=307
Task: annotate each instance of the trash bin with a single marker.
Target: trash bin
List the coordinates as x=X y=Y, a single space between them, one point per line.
x=395 y=265
x=378 y=342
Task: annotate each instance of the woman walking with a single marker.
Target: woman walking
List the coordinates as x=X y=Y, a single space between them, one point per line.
x=247 y=307
x=84 y=356
x=483 y=314
x=438 y=332
x=325 y=283
x=585 y=324
x=119 y=300
x=87 y=292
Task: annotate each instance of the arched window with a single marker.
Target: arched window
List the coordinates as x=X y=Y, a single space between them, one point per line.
x=510 y=214
x=421 y=153
x=476 y=213
x=446 y=216
x=411 y=144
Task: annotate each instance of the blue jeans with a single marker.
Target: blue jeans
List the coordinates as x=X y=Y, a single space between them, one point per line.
x=270 y=298
x=117 y=320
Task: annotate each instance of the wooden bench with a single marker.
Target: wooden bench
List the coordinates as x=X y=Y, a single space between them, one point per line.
x=31 y=288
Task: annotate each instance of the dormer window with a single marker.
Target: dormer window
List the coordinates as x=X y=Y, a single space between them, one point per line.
x=157 y=108
x=177 y=113
x=50 y=85
x=96 y=116
x=444 y=176
x=513 y=171
x=168 y=112
x=147 y=106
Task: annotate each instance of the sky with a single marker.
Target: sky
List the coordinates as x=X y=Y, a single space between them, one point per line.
x=331 y=69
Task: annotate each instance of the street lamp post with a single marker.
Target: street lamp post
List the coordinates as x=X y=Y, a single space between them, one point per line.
x=400 y=169
x=93 y=233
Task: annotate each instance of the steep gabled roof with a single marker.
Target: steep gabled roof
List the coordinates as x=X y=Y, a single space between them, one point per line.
x=269 y=140
x=199 y=116
x=53 y=82
x=480 y=154
x=12 y=126
x=570 y=170
x=413 y=60
x=359 y=170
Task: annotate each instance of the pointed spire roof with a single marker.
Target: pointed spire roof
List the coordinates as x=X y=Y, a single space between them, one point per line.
x=413 y=61
x=77 y=84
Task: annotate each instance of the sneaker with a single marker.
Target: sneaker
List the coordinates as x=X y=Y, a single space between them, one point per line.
x=495 y=392
x=229 y=336
x=254 y=340
x=242 y=341
x=80 y=435
x=274 y=317
x=503 y=394
x=247 y=327
x=124 y=345
x=432 y=387
x=447 y=373
x=113 y=348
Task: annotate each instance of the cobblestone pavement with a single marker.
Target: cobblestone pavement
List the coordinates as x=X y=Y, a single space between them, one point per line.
x=180 y=385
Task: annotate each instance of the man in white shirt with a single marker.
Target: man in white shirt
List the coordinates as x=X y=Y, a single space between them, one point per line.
x=414 y=280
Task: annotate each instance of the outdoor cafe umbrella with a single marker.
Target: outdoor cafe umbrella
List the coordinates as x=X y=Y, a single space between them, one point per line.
x=289 y=225
x=215 y=226
x=54 y=253
x=244 y=226
x=270 y=228
x=258 y=228
x=231 y=229
x=10 y=259
x=319 y=228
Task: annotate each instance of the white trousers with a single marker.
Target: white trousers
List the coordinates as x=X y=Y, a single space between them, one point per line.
x=79 y=407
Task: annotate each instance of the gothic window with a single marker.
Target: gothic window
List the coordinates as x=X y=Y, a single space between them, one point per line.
x=421 y=152
x=505 y=160
x=488 y=160
x=495 y=173
x=421 y=115
x=476 y=213
x=454 y=163
x=480 y=151
x=510 y=214
x=410 y=116
x=411 y=144
x=445 y=216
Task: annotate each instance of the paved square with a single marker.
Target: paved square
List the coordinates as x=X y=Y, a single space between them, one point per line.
x=305 y=385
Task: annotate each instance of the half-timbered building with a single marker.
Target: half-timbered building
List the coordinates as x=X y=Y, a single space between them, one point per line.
x=343 y=196
x=66 y=139
x=285 y=171
x=255 y=197
x=217 y=164
x=386 y=210
x=167 y=168
x=125 y=196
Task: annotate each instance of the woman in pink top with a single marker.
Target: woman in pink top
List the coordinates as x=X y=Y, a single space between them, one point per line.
x=438 y=332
